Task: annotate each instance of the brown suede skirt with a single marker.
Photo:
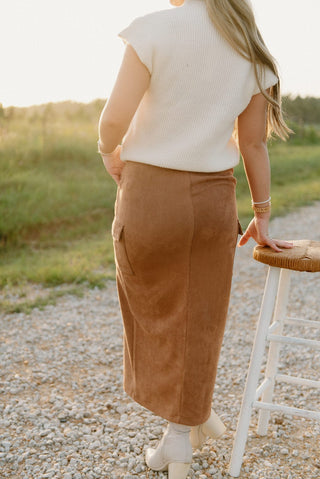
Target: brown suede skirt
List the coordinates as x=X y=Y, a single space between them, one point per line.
x=174 y=235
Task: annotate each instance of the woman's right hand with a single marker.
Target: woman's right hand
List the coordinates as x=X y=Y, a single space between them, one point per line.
x=258 y=230
x=113 y=164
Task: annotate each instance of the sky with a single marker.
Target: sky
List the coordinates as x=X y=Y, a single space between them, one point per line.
x=55 y=50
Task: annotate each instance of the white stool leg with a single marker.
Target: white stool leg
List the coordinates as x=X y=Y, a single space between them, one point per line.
x=274 y=349
x=265 y=316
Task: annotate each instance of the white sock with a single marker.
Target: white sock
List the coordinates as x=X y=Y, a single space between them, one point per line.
x=178 y=428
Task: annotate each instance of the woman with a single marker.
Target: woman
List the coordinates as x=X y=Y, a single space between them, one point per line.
x=196 y=84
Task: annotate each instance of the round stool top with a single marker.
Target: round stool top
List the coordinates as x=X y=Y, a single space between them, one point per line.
x=304 y=256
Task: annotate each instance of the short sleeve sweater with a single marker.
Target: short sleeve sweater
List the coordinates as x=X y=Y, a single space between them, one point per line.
x=199 y=85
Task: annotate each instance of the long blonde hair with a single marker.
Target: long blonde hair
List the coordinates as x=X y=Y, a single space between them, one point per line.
x=236 y=23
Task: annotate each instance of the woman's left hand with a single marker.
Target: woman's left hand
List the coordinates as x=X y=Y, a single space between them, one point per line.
x=113 y=164
x=258 y=230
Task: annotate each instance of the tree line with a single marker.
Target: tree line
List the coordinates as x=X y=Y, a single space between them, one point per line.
x=302 y=110
x=301 y=113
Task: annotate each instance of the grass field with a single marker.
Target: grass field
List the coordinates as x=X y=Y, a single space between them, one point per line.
x=295 y=179
x=56 y=199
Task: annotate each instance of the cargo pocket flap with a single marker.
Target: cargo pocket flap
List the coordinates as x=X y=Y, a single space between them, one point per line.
x=116 y=229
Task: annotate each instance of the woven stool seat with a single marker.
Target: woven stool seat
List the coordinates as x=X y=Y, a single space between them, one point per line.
x=304 y=256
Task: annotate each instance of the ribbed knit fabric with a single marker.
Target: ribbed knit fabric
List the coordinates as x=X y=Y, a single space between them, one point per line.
x=199 y=85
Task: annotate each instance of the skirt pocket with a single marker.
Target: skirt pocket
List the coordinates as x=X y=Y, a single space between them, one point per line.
x=120 y=251
x=240 y=231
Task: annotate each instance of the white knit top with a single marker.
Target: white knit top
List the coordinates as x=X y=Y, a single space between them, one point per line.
x=199 y=85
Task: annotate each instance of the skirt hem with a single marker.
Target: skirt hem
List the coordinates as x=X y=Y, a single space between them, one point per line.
x=178 y=419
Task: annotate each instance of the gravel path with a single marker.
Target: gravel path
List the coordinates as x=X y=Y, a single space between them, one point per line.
x=63 y=413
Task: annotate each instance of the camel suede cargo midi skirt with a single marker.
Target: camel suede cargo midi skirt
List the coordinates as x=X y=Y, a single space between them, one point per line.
x=174 y=236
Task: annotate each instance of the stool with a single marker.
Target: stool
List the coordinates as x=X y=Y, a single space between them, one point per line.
x=304 y=256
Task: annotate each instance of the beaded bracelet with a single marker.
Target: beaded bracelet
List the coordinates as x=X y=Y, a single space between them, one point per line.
x=263 y=209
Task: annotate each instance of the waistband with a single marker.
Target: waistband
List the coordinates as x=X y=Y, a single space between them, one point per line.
x=137 y=164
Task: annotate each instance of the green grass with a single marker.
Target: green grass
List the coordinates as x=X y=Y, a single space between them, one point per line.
x=65 y=182
x=21 y=305
x=295 y=180
x=57 y=201
x=87 y=260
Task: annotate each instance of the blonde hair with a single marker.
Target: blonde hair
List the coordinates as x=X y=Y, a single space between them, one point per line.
x=235 y=21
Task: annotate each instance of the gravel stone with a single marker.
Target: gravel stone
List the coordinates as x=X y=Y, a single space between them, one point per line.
x=284 y=451
x=63 y=412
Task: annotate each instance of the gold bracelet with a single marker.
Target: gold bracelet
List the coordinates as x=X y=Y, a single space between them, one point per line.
x=261 y=209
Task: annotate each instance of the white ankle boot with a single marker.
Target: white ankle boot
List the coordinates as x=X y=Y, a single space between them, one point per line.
x=174 y=452
x=213 y=428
